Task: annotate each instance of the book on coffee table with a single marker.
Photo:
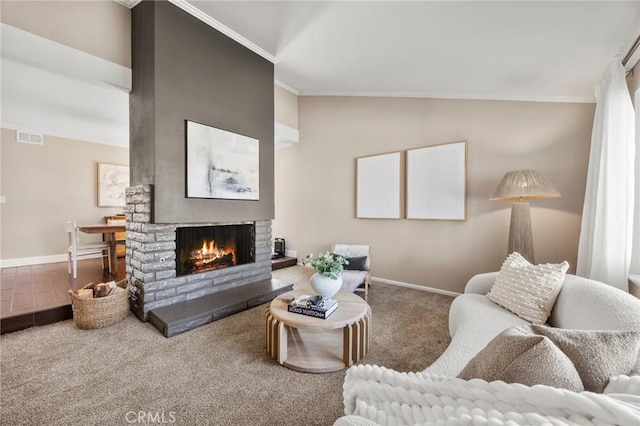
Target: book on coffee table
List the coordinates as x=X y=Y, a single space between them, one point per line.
x=313 y=306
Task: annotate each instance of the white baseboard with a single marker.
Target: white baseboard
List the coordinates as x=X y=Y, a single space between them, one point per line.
x=415 y=286
x=38 y=260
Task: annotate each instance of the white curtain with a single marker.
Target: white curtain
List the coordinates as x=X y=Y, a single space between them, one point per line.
x=604 y=251
x=635 y=258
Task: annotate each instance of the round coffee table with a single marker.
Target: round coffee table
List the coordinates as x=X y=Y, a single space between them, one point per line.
x=317 y=345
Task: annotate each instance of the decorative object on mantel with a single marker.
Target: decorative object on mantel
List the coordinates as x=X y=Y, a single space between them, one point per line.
x=378 y=183
x=437 y=182
x=112 y=180
x=327 y=281
x=518 y=186
x=221 y=164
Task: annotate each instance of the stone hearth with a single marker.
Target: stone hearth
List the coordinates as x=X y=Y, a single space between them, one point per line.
x=151 y=262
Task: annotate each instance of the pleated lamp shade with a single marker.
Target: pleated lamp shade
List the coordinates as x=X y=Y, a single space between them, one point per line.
x=519 y=185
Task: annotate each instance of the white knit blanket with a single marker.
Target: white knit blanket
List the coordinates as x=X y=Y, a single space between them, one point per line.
x=388 y=397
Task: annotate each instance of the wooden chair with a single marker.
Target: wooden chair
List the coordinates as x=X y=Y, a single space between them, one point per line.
x=76 y=250
x=121 y=237
x=356 y=278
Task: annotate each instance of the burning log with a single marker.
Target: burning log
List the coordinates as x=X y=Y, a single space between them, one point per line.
x=216 y=262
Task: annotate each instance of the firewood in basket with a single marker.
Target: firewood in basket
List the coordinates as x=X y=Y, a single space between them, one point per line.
x=101 y=290
x=116 y=290
x=85 y=293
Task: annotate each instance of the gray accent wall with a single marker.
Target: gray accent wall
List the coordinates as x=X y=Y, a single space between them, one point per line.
x=185 y=70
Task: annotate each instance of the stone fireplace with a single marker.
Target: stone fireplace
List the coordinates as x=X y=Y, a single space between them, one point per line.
x=160 y=276
x=220 y=274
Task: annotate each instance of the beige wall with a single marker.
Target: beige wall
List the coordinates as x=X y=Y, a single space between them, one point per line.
x=286 y=107
x=101 y=28
x=46 y=185
x=315 y=181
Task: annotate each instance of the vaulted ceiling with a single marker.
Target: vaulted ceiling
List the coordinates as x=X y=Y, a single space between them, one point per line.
x=529 y=50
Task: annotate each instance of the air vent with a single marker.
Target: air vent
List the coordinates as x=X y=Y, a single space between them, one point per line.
x=31 y=138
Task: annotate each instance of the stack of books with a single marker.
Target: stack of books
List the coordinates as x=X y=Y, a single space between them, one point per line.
x=313 y=306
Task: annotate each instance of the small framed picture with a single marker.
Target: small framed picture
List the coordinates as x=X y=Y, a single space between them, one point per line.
x=113 y=179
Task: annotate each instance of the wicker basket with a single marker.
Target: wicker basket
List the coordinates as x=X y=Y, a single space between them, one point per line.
x=101 y=311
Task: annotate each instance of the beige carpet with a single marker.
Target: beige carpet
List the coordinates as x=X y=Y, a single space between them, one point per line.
x=218 y=374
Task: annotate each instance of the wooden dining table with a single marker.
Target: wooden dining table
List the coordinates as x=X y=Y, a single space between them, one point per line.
x=109 y=235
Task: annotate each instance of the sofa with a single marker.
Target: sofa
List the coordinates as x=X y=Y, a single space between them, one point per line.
x=375 y=395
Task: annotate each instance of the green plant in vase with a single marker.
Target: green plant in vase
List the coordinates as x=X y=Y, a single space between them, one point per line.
x=327 y=280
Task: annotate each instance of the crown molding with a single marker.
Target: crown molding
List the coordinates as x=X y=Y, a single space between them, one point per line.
x=194 y=11
x=130 y=4
x=488 y=96
x=286 y=87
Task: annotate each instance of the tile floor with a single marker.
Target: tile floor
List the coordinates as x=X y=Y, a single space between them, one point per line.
x=28 y=294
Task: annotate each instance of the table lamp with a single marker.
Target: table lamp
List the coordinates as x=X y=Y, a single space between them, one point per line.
x=518 y=186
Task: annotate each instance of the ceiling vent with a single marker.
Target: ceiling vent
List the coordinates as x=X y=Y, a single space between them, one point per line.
x=31 y=138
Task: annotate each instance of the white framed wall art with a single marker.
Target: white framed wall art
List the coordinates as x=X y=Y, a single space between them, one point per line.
x=437 y=182
x=378 y=186
x=222 y=164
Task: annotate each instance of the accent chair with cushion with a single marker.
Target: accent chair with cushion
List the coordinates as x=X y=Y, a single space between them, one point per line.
x=356 y=276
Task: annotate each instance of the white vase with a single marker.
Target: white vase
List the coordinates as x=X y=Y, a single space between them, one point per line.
x=325 y=286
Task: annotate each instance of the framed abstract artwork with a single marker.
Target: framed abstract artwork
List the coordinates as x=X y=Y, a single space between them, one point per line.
x=221 y=164
x=378 y=186
x=112 y=181
x=437 y=182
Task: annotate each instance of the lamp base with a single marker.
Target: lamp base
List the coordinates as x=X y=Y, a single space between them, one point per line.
x=520 y=236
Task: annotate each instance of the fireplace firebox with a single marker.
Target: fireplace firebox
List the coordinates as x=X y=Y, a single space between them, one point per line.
x=207 y=248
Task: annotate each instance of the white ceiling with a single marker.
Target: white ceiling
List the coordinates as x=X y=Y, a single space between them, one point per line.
x=536 y=50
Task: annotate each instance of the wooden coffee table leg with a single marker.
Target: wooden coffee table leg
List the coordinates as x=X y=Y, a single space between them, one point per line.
x=270 y=335
x=274 y=337
x=267 y=329
x=356 y=349
x=369 y=328
x=282 y=343
x=364 y=336
x=348 y=345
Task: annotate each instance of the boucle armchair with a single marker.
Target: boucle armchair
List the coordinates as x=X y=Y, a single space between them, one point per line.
x=355 y=278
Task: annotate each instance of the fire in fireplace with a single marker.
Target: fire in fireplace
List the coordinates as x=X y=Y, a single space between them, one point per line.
x=207 y=248
x=210 y=256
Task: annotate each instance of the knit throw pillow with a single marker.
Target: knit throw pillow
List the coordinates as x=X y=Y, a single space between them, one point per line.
x=527 y=290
